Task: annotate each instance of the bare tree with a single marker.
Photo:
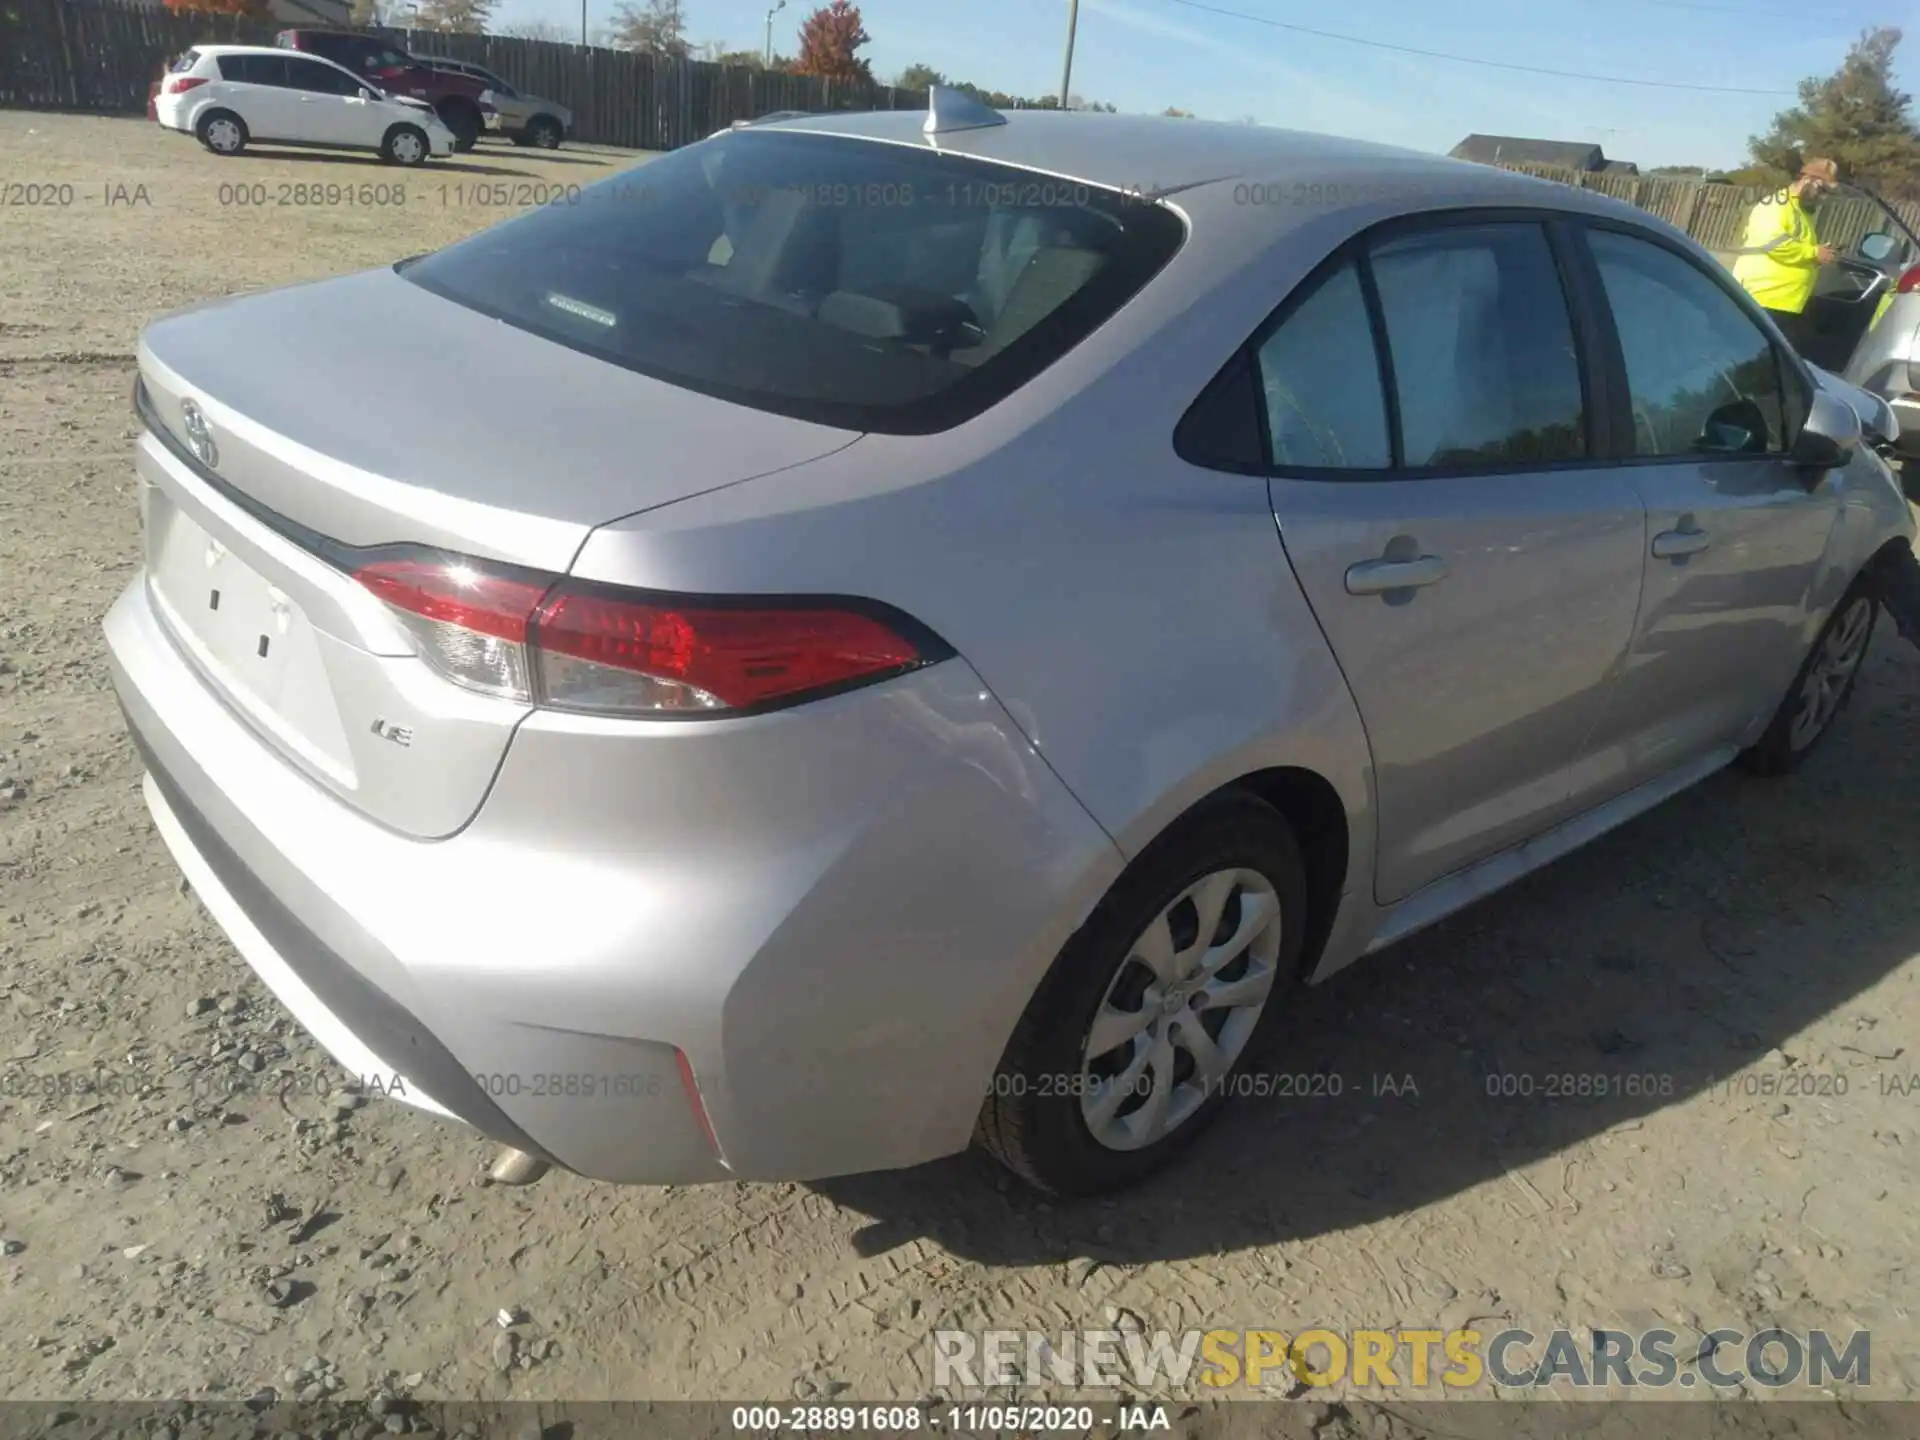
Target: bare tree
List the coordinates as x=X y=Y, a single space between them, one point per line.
x=659 y=28
x=541 y=30
x=467 y=17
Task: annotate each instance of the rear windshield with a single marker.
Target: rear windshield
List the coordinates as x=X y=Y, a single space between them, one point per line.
x=185 y=62
x=857 y=284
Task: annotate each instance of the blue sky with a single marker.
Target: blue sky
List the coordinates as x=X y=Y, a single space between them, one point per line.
x=1144 y=55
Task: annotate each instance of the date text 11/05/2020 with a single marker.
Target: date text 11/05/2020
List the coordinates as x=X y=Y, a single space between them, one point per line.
x=956 y=1419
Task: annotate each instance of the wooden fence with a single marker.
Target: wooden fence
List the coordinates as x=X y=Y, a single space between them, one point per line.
x=101 y=56
x=1716 y=215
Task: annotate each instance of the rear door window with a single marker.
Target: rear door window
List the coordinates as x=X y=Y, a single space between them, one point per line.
x=1484 y=364
x=856 y=284
x=254 y=69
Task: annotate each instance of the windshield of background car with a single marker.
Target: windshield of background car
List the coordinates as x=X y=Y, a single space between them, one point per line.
x=853 y=283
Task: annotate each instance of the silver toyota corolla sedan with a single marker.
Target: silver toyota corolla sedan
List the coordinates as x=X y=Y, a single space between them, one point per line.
x=956 y=617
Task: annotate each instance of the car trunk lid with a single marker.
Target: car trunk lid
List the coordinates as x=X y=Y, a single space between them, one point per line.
x=287 y=433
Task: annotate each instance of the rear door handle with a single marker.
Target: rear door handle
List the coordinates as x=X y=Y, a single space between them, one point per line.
x=1376 y=577
x=1673 y=544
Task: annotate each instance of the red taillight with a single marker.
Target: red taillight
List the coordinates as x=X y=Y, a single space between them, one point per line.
x=456 y=594
x=724 y=657
x=178 y=84
x=471 y=624
x=1909 y=281
x=600 y=650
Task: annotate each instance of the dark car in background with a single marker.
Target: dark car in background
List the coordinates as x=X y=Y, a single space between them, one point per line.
x=524 y=119
x=456 y=98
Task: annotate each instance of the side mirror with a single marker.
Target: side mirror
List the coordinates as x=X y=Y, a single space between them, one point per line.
x=1877 y=246
x=1830 y=435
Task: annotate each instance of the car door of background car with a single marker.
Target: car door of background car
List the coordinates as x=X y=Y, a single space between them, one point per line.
x=1736 y=532
x=1474 y=564
x=1845 y=296
x=329 y=105
x=259 y=95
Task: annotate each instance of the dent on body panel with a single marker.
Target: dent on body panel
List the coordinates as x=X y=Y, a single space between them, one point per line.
x=1873 y=511
x=967 y=876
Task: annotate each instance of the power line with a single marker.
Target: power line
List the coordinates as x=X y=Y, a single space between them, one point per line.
x=1474 y=60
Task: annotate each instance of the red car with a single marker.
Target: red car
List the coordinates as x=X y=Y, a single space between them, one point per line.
x=455 y=98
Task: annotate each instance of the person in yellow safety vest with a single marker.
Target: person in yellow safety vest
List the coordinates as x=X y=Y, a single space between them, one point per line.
x=1782 y=255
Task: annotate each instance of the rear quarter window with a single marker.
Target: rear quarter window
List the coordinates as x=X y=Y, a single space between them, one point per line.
x=857 y=284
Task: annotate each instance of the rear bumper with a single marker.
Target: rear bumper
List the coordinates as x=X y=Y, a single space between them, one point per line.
x=836 y=918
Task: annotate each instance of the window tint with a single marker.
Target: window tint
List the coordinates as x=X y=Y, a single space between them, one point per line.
x=186 y=61
x=254 y=69
x=1703 y=378
x=876 y=287
x=1484 y=366
x=312 y=75
x=1320 y=382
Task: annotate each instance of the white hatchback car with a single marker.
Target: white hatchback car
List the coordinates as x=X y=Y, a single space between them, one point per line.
x=229 y=95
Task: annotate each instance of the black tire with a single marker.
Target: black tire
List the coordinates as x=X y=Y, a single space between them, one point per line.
x=217 y=126
x=405 y=144
x=544 y=132
x=1033 y=1120
x=1788 y=742
x=462 y=117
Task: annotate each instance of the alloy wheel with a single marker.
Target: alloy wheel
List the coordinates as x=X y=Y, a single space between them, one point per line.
x=1180 y=1010
x=1839 y=655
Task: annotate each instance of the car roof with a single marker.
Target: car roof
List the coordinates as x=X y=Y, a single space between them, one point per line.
x=1240 y=185
x=1143 y=151
x=255 y=50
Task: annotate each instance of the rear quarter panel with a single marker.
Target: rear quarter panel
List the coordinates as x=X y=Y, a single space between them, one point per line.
x=1135 y=614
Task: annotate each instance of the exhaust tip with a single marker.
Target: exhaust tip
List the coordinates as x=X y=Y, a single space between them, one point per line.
x=516 y=1167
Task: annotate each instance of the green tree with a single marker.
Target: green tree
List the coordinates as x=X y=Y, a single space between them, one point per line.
x=1855 y=116
x=1763 y=175
x=920 y=77
x=468 y=17
x=657 y=28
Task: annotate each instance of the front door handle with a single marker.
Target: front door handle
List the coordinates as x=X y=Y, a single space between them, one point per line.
x=1675 y=544
x=1377 y=577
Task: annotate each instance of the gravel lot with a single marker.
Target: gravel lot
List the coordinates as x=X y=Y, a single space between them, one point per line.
x=213 y=1222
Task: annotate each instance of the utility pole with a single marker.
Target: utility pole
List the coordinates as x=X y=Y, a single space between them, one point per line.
x=583 y=22
x=778 y=7
x=1066 y=69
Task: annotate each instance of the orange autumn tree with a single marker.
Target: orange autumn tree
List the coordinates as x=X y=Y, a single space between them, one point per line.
x=828 y=39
